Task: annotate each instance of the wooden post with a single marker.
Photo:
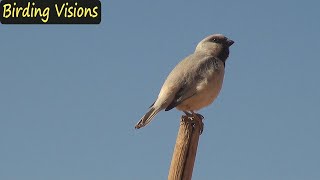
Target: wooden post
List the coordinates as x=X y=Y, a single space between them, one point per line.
x=185 y=150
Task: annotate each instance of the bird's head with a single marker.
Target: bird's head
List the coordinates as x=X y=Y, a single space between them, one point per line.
x=216 y=45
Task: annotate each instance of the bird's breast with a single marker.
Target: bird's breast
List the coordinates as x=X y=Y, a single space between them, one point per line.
x=206 y=91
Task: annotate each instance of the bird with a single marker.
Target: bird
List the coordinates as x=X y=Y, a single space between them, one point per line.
x=195 y=82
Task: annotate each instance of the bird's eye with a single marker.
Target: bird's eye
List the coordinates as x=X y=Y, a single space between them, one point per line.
x=214 y=40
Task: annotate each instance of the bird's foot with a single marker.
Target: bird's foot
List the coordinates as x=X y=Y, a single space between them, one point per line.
x=195 y=117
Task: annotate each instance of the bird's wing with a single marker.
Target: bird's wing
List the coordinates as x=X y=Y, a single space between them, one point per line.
x=194 y=71
x=183 y=94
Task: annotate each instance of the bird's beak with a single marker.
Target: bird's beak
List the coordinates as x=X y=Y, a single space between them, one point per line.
x=229 y=42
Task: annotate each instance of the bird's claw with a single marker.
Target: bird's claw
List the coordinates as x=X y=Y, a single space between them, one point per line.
x=199 y=118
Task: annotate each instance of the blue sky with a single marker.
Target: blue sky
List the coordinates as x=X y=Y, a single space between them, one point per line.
x=71 y=94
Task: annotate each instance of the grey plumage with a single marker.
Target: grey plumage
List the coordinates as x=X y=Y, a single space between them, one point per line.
x=195 y=82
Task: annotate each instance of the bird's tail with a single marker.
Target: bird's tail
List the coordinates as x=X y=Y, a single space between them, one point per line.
x=146 y=119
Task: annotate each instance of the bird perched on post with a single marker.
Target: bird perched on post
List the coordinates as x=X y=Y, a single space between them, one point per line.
x=195 y=82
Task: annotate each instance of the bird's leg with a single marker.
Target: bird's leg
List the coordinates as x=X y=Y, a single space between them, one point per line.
x=187 y=113
x=198 y=117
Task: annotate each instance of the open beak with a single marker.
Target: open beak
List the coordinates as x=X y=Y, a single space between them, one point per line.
x=229 y=42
